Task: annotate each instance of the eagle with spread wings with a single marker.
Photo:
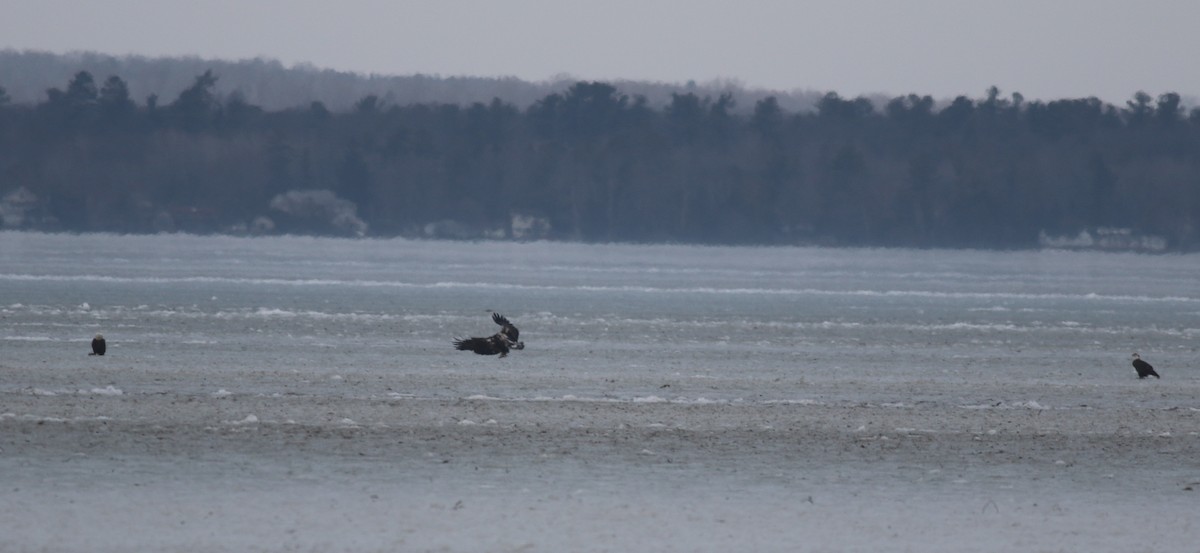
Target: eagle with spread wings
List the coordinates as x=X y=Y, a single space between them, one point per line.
x=501 y=342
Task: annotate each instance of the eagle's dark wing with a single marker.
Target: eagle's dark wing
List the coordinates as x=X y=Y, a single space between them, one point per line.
x=507 y=328
x=483 y=346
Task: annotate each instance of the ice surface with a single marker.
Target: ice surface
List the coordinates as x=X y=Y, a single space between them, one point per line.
x=301 y=394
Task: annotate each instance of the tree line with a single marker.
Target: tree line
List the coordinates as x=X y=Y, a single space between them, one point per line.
x=596 y=164
x=272 y=85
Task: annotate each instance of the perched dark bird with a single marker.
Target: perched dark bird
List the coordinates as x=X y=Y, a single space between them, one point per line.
x=1143 y=368
x=98 y=346
x=500 y=342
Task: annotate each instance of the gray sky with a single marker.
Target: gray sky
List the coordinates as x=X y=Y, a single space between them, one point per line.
x=1045 y=49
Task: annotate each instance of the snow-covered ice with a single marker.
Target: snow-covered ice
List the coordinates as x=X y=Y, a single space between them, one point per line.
x=300 y=394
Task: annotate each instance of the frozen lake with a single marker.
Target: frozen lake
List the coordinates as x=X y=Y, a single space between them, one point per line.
x=302 y=394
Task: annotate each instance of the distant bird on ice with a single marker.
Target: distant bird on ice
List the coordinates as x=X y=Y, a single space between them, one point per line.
x=1143 y=368
x=98 y=346
x=500 y=342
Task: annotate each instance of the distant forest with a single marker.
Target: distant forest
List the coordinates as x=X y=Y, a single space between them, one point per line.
x=272 y=86
x=593 y=163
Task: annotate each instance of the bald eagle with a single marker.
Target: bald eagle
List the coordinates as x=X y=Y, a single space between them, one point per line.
x=98 y=347
x=1143 y=368
x=500 y=342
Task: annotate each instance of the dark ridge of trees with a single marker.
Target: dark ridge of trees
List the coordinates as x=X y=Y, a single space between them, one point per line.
x=273 y=86
x=595 y=163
